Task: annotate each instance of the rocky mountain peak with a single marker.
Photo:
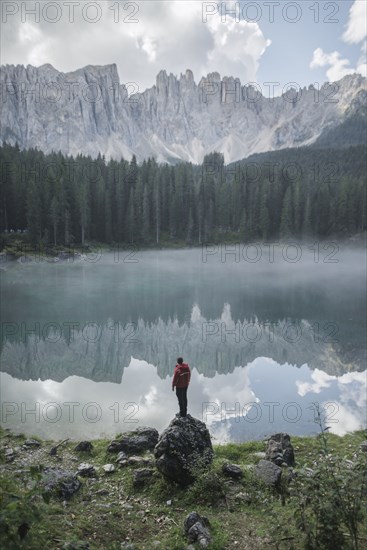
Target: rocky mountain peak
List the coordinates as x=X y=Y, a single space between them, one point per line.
x=88 y=111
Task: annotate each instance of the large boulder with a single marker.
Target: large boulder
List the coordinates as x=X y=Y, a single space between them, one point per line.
x=279 y=450
x=138 y=441
x=183 y=448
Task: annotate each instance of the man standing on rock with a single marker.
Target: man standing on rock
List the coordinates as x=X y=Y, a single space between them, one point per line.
x=181 y=380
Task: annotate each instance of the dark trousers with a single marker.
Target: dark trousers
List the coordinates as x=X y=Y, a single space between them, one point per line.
x=182 y=400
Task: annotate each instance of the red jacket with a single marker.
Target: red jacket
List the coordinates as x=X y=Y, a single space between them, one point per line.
x=181 y=376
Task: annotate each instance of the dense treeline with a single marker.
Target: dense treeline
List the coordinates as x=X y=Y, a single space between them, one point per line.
x=296 y=192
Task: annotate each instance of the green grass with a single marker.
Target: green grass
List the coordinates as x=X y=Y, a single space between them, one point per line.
x=124 y=513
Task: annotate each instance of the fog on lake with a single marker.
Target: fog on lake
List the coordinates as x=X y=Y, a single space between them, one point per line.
x=89 y=345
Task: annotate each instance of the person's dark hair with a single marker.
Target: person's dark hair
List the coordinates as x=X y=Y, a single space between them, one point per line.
x=179 y=360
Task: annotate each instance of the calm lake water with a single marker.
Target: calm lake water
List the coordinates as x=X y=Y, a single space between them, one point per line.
x=88 y=346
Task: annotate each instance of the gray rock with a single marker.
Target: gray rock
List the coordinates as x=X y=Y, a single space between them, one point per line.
x=194 y=517
x=280 y=450
x=142 y=476
x=363 y=446
x=84 y=446
x=196 y=528
x=109 y=468
x=232 y=470
x=86 y=470
x=9 y=455
x=184 y=446
x=61 y=482
x=199 y=533
x=139 y=461
x=268 y=472
x=31 y=444
x=138 y=441
x=122 y=458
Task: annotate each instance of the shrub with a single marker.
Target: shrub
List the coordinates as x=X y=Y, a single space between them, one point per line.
x=19 y=509
x=331 y=496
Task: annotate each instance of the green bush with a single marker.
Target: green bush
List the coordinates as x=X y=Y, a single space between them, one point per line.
x=20 y=509
x=331 y=498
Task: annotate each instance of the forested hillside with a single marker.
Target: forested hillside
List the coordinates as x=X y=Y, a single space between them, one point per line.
x=290 y=193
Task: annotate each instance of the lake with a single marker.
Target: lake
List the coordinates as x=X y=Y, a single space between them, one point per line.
x=89 y=345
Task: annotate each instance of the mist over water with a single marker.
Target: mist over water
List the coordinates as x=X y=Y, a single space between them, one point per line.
x=267 y=330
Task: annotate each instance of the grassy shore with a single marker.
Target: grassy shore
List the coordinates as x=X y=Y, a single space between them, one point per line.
x=108 y=512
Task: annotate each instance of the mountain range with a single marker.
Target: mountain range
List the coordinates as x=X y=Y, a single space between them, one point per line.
x=90 y=112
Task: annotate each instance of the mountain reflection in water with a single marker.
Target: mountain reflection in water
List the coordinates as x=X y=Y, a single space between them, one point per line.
x=259 y=337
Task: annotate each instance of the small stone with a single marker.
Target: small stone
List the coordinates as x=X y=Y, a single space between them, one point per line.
x=9 y=455
x=232 y=470
x=122 y=456
x=109 y=468
x=86 y=470
x=196 y=529
x=31 y=444
x=200 y=534
x=364 y=446
x=135 y=461
x=84 y=446
x=156 y=543
x=169 y=503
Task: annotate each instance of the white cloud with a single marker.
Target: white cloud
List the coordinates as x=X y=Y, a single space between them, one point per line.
x=362 y=61
x=320 y=381
x=348 y=412
x=168 y=35
x=338 y=67
x=356 y=31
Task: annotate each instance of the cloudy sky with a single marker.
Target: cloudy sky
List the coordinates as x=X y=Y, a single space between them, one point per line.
x=263 y=41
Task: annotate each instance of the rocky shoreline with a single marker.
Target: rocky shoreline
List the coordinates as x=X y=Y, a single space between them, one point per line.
x=154 y=485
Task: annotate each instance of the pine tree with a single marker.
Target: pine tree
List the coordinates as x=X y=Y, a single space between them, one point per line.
x=307 y=224
x=190 y=228
x=286 y=223
x=34 y=214
x=55 y=216
x=146 y=215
